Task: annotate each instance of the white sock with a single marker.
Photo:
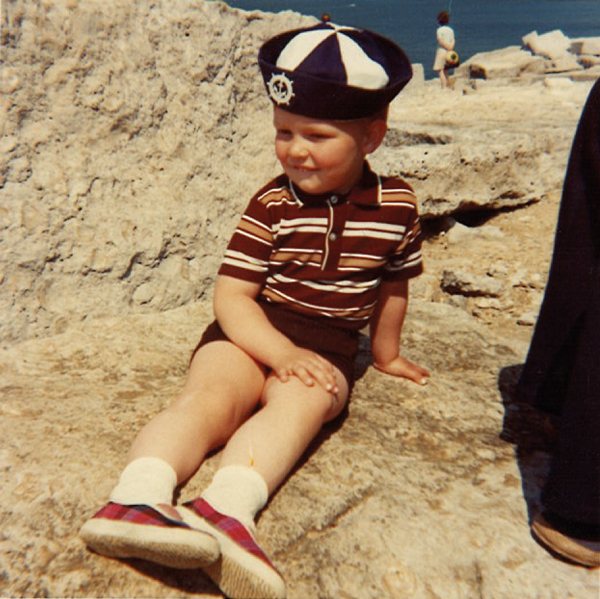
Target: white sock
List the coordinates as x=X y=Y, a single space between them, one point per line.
x=239 y=492
x=145 y=481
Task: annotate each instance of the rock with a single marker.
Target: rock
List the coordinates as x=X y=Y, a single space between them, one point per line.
x=8 y=144
x=519 y=278
x=458 y=233
x=590 y=74
x=499 y=269
x=564 y=63
x=558 y=82
x=461 y=234
x=424 y=468
x=548 y=53
x=117 y=137
x=466 y=283
x=586 y=46
x=511 y=62
x=527 y=319
x=552 y=45
x=589 y=60
x=484 y=163
x=417 y=81
x=489 y=303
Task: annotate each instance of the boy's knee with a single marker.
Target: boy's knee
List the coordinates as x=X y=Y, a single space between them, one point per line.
x=219 y=402
x=335 y=406
x=315 y=401
x=321 y=402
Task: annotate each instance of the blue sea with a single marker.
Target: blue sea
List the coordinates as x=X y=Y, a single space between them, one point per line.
x=479 y=25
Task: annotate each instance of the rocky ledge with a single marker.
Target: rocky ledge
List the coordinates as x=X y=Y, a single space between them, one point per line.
x=414 y=493
x=549 y=54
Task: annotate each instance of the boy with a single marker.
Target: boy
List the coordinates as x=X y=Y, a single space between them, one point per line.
x=322 y=250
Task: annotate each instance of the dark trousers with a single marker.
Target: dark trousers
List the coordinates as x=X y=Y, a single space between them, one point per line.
x=562 y=372
x=572 y=490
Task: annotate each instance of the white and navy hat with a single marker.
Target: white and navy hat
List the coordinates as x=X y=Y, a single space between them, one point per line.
x=333 y=73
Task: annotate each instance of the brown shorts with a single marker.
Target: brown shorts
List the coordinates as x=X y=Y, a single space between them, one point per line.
x=337 y=344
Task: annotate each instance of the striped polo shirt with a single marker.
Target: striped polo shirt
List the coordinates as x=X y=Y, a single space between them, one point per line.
x=327 y=254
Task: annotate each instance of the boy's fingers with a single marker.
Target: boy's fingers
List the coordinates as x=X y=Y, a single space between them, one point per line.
x=326 y=364
x=421 y=379
x=310 y=369
x=417 y=373
x=283 y=375
x=303 y=374
x=326 y=376
x=316 y=373
x=329 y=384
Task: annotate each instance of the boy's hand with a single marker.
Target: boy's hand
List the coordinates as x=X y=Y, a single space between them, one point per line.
x=308 y=366
x=404 y=368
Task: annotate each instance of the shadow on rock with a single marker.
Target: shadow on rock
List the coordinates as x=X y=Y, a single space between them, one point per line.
x=188 y=581
x=533 y=435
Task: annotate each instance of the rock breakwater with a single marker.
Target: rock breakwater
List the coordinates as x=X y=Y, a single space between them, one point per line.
x=549 y=54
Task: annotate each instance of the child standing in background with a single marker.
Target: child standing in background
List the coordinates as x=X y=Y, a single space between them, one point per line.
x=321 y=251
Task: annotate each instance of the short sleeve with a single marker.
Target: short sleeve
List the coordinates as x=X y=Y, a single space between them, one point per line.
x=247 y=255
x=407 y=260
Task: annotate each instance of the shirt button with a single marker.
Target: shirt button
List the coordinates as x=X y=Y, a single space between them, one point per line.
x=334 y=199
x=332 y=236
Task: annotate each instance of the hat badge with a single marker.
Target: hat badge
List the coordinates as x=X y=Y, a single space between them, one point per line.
x=280 y=88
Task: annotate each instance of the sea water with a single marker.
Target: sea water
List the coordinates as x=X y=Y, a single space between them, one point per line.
x=479 y=25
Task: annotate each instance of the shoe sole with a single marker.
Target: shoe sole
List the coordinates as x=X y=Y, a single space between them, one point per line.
x=169 y=546
x=572 y=550
x=239 y=574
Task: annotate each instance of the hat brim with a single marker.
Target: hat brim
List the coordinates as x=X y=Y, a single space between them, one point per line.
x=320 y=98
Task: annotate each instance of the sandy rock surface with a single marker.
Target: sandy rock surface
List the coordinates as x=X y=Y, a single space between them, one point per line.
x=416 y=492
x=132 y=136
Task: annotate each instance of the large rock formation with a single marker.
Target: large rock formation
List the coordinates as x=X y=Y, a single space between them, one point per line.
x=471 y=149
x=133 y=134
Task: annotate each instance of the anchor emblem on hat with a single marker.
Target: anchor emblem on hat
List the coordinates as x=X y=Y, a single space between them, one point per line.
x=281 y=89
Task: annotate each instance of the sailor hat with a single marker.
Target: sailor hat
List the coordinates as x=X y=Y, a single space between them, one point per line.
x=332 y=72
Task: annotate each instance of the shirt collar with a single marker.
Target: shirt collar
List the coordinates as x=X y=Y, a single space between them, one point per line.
x=367 y=192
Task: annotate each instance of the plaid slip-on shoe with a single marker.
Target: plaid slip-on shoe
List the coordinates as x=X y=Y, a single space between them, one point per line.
x=154 y=533
x=244 y=571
